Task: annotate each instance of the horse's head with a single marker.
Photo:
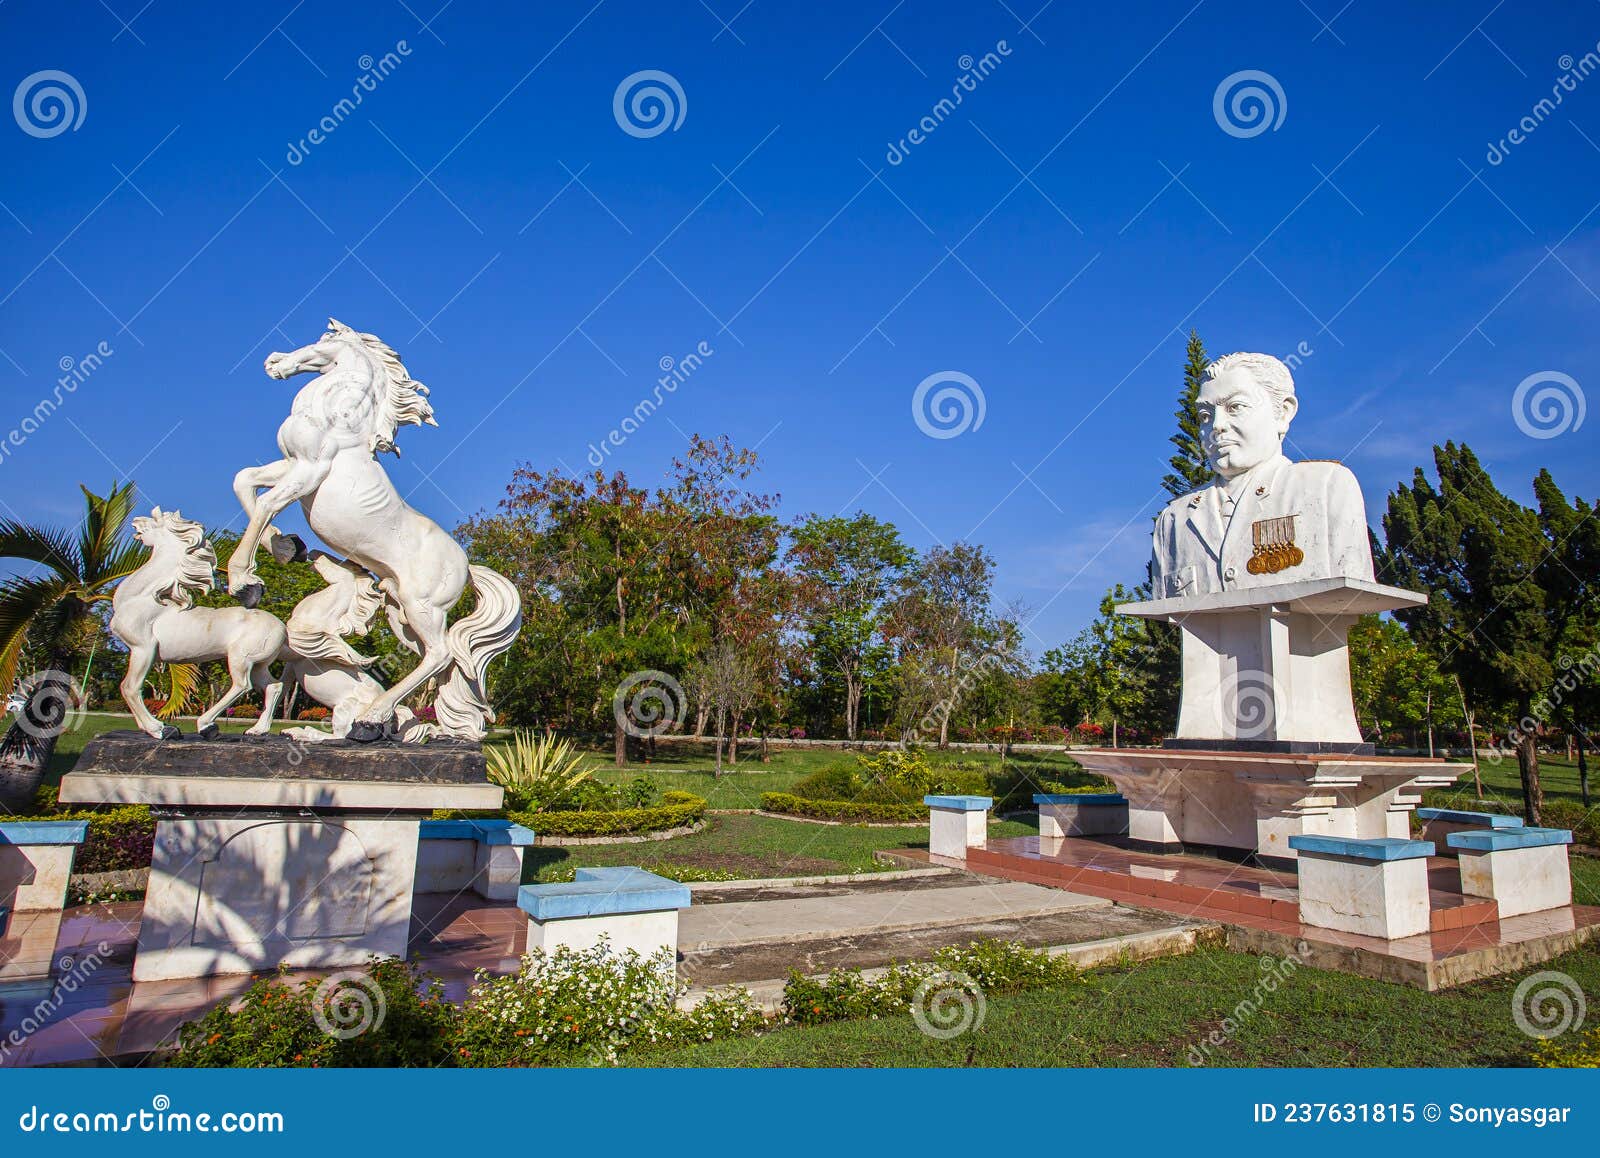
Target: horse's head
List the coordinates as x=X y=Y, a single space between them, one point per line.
x=195 y=560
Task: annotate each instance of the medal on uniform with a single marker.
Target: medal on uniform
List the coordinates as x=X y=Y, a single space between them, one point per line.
x=1274 y=551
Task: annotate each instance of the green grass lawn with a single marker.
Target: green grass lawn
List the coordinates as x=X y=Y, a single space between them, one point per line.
x=1158 y=1013
x=1503 y=785
x=750 y=847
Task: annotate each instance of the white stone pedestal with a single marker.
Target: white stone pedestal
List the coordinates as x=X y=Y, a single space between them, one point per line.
x=250 y=873
x=1269 y=665
x=1378 y=888
x=957 y=823
x=1256 y=801
x=1524 y=870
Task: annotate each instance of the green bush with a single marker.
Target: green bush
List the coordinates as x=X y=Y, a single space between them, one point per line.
x=584 y=1007
x=313 y=1024
x=846 y=810
x=675 y=810
x=988 y=968
x=1584 y=823
x=120 y=836
x=1582 y=1051
x=569 y=1007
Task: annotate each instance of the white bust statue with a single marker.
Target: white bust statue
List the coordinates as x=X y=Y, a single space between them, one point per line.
x=1262 y=519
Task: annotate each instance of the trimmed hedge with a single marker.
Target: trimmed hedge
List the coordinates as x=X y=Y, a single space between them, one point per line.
x=120 y=836
x=846 y=810
x=676 y=810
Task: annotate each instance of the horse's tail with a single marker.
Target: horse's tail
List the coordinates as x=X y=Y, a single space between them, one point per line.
x=462 y=706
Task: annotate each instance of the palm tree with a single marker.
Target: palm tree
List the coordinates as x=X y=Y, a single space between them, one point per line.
x=52 y=613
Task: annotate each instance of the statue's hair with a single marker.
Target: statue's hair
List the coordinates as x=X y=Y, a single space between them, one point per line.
x=195 y=566
x=405 y=400
x=352 y=595
x=1270 y=374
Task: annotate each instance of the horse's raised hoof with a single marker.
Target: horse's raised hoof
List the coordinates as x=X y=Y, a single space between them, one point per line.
x=288 y=549
x=250 y=595
x=168 y=732
x=366 y=732
x=209 y=732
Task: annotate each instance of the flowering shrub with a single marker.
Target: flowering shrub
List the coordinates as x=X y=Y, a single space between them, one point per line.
x=1579 y=1052
x=797 y=733
x=244 y=712
x=388 y=1015
x=586 y=1006
x=313 y=714
x=996 y=967
x=426 y=714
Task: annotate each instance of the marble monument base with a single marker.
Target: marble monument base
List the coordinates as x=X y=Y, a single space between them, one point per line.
x=1252 y=803
x=269 y=852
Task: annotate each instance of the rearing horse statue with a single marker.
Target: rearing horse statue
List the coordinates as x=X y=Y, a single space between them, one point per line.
x=338 y=423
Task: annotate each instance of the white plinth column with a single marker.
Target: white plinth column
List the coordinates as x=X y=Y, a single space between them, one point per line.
x=1377 y=888
x=237 y=894
x=1520 y=880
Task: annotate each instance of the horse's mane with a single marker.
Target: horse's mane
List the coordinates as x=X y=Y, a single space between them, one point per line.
x=196 y=566
x=404 y=401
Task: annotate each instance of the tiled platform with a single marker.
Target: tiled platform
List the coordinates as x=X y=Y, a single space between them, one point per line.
x=88 y=1010
x=1260 y=908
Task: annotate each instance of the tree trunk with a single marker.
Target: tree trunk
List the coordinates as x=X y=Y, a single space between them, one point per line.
x=700 y=714
x=1528 y=768
x=733 y=743
x=1577 y=732
x=620 y=745
x=852 y=705
x=29 y=743
x=717 y=775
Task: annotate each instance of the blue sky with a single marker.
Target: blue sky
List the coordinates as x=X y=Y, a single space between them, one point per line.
x=1052 y=238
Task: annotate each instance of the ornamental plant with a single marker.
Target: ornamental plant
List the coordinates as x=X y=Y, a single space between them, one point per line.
x=587 y=1006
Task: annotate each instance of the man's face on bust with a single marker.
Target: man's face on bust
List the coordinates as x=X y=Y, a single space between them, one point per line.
x=1241 y=424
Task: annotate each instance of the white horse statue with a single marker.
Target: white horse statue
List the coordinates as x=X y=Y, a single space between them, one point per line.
x=330 y=671
x=338 y=423
x=153 y=612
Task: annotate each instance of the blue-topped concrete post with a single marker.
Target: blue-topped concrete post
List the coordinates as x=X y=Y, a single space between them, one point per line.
x=1438 y=824
x=1082 y=814
x=957 y=823
x=36 y=862
x=483 y=855
x=1524 y=870
x=630 y=908
x=1377 y=887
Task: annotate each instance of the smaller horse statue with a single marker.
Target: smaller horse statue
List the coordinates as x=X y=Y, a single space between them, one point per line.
x=153 y=613
x=329 y=670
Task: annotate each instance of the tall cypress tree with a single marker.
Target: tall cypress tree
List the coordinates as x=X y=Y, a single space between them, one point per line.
x=1189 y=467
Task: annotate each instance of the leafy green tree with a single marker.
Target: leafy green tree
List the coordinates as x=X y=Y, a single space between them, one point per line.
x=942 y=625
x=1396 y=684
x=1498 y=610
x=53 y=612
x=845 y=570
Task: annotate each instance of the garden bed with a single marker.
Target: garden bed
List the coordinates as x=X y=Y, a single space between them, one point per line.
x=792 y=807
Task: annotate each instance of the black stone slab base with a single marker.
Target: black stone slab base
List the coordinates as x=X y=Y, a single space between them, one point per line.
x=1293 y=747
x=278 y=757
